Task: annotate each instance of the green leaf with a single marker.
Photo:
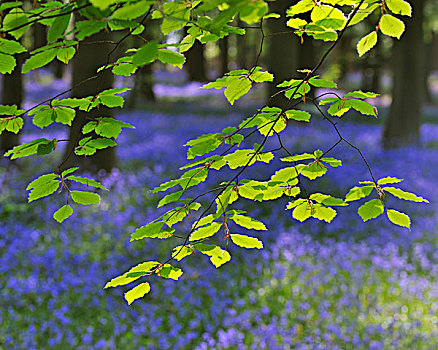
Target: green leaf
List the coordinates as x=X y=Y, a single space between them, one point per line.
x=146 y=54
x=39 y=60
x=168 y=271
x=301 y=7
x=69 y=171
x=151 y=230
x=180 y=252
x=388 y=180
x=248 y=222
x=298 y=157
x=64 y=115
x=204 y=221
x=367 y=43
x=89 y=27
x=102 y=4
x=331 y=161
x=131 y=10
x=65 y=54
x=45 y=148
x=7 y=63
x=85 y=198
x=173 y=58
x=14 y=125
x=63 y=213
x=170 y=198
x=7 y=5
x=313 y=170
x=371 y=209
x=328 y=17
x=15 y=18
x=259 y=76
x=106 y=127
x=361 y=94
x=58 y=27
x=26 y=149
x=8 y=109
x=133 y=274
x=10 y=47
x=399 y=7
x=318 y=82
x=246 y=241
x=43 y=186
x=86 y=181
x=404 y=195
x=242 y=157
x=296 y=23
x=358 y=192
x=218 y=256
x=90 y=146
x=301 y=116
x=389 y=25
x=398 y=218
x=205 y=231
x=236 y=88
x=203 y=145
x=137 y=292
x=323 y=213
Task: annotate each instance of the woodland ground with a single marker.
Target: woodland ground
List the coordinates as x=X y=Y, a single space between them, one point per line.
x=345 y=285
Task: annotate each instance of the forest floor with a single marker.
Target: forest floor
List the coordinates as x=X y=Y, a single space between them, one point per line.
x=343 y=285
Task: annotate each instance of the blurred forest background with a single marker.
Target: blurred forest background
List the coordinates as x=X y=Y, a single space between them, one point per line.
x=314 y=286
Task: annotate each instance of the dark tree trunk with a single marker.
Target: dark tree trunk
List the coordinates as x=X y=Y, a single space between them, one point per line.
x=403 y=124
x=306 y=58
x=143 y=90
x=372 y=69
x=223 y=46
x=428 y=68
x=12 y=94
x=243 y=49
x=85 y=63
x=195 y=64
x=282 y=55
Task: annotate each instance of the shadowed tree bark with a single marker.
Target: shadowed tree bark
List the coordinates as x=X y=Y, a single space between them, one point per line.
x=85 y=63
x=282 y=53
x=143 y=90
x=223 y=46
x=195 y=64
x=403 y=124
x=12 y=94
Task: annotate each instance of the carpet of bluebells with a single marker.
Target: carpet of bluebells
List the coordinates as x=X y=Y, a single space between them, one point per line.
x=344 y=285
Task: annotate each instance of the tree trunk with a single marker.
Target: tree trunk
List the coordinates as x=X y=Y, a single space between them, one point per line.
x=243 y=49
x=143 y=90
x=85 y=63
x=223 y=46
x=12 y=94
x=403 y=124
x=283 y=54
x=195 y=65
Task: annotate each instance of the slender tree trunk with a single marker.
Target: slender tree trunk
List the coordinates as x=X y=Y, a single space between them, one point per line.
x=243 y=49
x=223 y=47
x=282 y=53
x=85 y=63
x=403 y=124
x=143 y=90
x=12 y=94
x=428 y=68
x=195 y=65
